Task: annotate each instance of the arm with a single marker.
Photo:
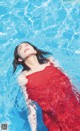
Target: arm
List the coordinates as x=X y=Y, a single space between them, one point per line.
x=32 y=118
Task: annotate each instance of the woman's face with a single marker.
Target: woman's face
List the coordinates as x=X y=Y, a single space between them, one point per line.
x=25 y=49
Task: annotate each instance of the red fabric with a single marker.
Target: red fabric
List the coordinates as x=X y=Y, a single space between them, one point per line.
x=58 y=98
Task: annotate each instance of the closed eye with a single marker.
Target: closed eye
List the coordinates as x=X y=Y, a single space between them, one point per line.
x=21 y=46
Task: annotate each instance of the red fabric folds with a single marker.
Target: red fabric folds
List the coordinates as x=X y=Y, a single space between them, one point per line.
x=58 y=98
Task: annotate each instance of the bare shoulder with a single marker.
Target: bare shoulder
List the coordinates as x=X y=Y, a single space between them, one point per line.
x=22 y=79
x=51 y=59
x=25 y=72
x=54 y=61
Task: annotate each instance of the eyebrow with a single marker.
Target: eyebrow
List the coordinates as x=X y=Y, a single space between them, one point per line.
x=21 y=45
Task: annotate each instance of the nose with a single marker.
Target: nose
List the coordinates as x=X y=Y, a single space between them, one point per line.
x=26 y=49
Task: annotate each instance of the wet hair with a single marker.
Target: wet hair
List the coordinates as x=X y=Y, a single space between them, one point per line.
x=40 y=56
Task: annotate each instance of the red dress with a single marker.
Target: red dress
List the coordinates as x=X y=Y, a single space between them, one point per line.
x=57 y=97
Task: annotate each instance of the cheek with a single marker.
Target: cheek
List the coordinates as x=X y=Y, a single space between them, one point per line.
x=32 y=49
x=21 y=53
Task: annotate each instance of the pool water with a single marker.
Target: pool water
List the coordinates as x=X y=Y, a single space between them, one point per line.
x=52 y=25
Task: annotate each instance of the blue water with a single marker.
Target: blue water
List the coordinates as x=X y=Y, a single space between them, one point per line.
x=52 y=25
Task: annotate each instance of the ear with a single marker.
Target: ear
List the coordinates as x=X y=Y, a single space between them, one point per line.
x=19 y=59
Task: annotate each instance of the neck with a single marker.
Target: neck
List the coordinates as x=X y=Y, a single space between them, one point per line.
x=32 y=61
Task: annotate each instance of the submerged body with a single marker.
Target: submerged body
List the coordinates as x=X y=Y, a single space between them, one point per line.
x=55 y=94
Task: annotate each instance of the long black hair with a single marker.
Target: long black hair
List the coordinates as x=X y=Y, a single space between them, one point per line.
x=40 y=56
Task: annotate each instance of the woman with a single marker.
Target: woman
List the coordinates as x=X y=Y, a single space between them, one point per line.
x=50 y=87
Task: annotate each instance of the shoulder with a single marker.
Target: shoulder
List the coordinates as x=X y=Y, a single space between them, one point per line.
x=51 y=59
x=54 y=61
x=22 y=80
